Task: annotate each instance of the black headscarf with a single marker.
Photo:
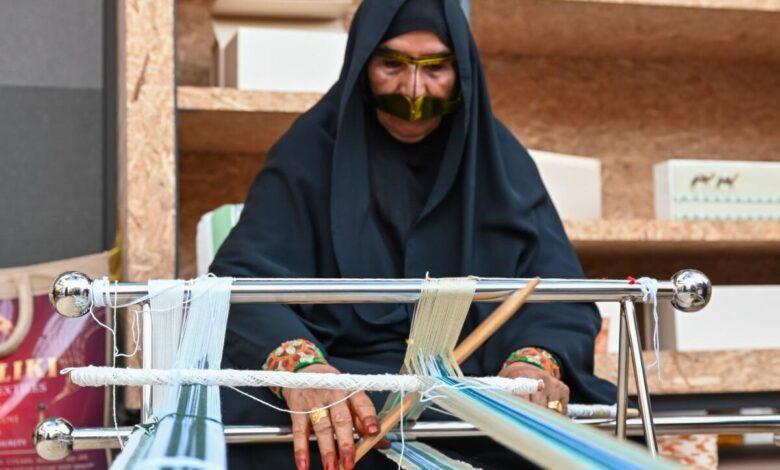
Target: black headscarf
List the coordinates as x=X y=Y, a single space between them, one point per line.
x=312 y=212
x=419 y=15
x=394 y=164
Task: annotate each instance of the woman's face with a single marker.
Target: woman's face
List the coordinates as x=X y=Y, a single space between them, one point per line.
x=387 y=76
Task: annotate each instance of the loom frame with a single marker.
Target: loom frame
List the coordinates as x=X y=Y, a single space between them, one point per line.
x=688 y=290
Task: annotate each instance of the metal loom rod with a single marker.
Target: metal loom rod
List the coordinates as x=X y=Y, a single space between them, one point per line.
x=55 y=438
x=73 y=293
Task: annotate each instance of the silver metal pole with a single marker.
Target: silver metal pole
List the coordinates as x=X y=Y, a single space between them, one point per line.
x=722 y=425
x=146 y=361
x=106 y=438
x=73 y=294
x=622 y=377
x=628 y=311
x=324 y=291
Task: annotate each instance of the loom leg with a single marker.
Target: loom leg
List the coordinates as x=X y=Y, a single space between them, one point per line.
x=146 y=361
x=629 y=313
x=622 y=378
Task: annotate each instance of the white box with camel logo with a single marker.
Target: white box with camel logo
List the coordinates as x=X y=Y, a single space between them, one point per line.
x=717 y=190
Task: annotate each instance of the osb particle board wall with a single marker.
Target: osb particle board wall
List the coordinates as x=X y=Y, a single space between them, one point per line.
x=633 y=114
x=194 y=37
x=629 y=113
x=207 y=181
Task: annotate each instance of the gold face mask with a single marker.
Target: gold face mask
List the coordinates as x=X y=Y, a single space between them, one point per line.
x=422 y=107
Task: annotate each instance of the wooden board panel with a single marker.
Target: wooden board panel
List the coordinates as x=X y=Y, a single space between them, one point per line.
x=729 y=252
x=147 y=169
x=194 y=40
x=630 y=114
x=642 y=29
x=193 y=98
x=224 y=131
x=724 y=263
x=734 y=371
x=633 y=114
x=207 y=181
x=147 y=159
x=638 y=29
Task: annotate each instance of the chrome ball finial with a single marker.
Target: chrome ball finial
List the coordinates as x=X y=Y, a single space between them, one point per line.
x=53 y=438
x=70 y=294
x=692 y=290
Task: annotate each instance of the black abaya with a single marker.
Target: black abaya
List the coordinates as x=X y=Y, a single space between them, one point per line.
x=320 y=208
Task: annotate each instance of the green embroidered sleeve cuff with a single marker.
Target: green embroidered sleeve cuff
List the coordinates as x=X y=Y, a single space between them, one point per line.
x=291 y=356
x=537 y=357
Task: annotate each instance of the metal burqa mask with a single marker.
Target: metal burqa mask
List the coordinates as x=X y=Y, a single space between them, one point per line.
x=415 y=108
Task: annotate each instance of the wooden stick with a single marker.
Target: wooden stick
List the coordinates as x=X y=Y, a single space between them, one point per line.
x=466 y=348
x=494 y=321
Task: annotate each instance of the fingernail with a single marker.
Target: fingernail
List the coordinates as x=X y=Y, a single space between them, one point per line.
x=302 y=460
x=349 y=461
x=330 y=461
x=371 y=426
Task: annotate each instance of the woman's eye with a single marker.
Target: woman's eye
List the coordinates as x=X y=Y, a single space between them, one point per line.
x=392 y=64
x=435 y=67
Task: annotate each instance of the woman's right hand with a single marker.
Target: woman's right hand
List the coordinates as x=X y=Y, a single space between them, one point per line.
x=357 y=412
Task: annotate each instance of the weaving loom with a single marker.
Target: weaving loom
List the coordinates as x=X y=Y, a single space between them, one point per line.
x=180 y=415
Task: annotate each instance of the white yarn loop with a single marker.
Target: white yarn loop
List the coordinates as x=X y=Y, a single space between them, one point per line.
x=650 y=295
x=292 y=412
x=574 y=410
x=92 y=376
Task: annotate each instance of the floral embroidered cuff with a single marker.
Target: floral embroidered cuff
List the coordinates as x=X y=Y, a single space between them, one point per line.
x=537 y=357
x=291 y=356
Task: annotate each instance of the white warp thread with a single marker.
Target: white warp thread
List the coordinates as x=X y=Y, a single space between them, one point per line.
x=98 y=292
x=650 y=295
x=573 y=411
x=100 y=376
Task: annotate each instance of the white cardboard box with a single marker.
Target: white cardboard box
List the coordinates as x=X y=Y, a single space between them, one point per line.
x=280 y=56
x=737 y=317
x=610 y=315
x=574 y=183
x=717 y=190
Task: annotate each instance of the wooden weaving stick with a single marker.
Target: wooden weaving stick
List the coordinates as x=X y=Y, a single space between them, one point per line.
x=466 y=348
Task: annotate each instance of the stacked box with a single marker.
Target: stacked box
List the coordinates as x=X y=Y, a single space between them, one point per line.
x=717 y=190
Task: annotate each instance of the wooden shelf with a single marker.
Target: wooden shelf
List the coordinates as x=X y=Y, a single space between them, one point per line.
x=638 y=29
x=733 y=371
x=239 y=121
x=742 y=5
x=229 y=123
x=728 y=252
x=656 y=233
x=224 y=120
x=193 y=98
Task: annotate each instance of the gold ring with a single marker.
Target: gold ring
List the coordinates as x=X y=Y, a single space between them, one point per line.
x=555 y=405
x=317 y=415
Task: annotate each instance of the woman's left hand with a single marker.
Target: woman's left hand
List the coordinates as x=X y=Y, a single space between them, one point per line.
x=554 y=389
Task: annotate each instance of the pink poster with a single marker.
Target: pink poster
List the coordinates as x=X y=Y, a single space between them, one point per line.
x=32 y=388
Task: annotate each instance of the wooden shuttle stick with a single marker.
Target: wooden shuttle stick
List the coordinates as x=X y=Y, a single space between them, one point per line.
x=473 y=341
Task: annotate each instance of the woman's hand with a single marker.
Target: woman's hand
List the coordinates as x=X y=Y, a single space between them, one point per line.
x=358 y=411
x=554 y=389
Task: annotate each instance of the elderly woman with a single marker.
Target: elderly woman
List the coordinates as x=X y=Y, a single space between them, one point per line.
x=400 y=170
